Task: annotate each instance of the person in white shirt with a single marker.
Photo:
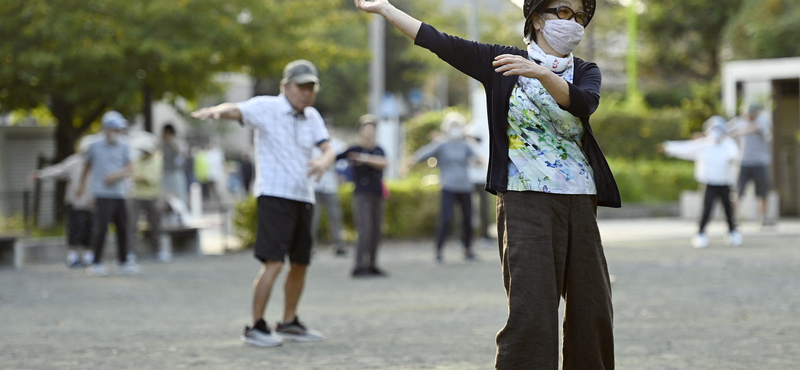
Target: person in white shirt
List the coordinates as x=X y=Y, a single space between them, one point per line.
x=326 y=192
x=714 y=156
x=287 y=128
x=79 y=207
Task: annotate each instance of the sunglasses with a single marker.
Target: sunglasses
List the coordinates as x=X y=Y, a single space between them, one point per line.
x=565 y=12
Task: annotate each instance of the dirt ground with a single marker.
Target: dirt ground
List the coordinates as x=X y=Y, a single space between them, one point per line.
x=675 y=308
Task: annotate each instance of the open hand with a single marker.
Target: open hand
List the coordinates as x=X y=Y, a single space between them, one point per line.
x=206 y=113
x=356 y=158
x=316 y=168
x=110 y=179
x=373 y=6
x=510 y=64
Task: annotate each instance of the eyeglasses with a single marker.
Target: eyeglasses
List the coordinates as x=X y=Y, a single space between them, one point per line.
x=565 y=12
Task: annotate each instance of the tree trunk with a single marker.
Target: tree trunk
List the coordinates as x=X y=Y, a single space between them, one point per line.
x=148 y=108
x=65 y=136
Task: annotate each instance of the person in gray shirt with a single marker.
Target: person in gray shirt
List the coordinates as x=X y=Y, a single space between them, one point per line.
x=110 y=163
x=453 y=156
x=755 y=134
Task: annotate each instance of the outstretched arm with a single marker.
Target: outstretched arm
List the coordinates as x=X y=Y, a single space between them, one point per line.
x=404 y=22
x=222 y=111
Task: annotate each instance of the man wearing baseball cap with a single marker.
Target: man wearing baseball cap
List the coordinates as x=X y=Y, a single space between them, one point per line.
x=110 y=163
x=287 y=128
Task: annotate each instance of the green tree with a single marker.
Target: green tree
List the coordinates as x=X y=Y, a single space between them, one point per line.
x=83 y=58
x=764 y=29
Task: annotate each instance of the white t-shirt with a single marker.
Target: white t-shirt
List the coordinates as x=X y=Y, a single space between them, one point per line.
x=283 y=142
x=329 y=182
x=713 y=160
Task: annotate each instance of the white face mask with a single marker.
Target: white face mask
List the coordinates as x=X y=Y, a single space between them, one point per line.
x=112 y=137
x=455 y=133
x=563 y=35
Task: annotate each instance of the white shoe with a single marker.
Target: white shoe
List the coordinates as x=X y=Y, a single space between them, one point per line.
x=88 y=258
x=258 y=338
x=164 y=256
x=131 y=257
x=297 y=332
x=96 y=269
x=129 y=268
x=700 y=241
x=734 y=239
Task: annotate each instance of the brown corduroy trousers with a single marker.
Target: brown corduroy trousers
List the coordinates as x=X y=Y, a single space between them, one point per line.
x=550 y=248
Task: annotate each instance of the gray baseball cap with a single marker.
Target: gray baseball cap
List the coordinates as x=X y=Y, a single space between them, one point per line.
x=301 y=72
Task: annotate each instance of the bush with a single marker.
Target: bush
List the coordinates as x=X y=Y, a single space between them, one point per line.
x=634 y=132
x=419 y=128
x=411 y=212
x=652 y=181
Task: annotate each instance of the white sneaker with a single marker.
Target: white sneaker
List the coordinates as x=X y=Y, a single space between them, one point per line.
x=129 y=268
x=88 y=258
x=164 y=256
x=734 y=239
x=700 y=241
x=297 y=332
x=96 y=269
x=258 y=338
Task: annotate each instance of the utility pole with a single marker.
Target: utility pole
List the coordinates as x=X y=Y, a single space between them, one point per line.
x=377 y=69
x=472 y=22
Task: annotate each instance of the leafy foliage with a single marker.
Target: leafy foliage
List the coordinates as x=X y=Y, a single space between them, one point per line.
x=764 y=29
x=82 y=58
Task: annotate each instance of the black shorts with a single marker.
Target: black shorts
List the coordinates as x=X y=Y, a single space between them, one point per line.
x=284 y=227
x=759 y=175
x=79 y=227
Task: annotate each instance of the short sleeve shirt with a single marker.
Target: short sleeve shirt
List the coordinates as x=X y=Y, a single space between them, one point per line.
x=756 y=150
x=366 y=178
x=284 y=141
x=106 y=159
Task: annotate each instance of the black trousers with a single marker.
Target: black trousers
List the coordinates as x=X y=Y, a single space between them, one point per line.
x=712 y=193
x=448 y=201
x=110 y=210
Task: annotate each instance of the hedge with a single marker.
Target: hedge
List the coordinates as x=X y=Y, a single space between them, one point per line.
x=412 y=209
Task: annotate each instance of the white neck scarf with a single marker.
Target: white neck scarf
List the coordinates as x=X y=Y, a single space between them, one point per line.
x=563 y=67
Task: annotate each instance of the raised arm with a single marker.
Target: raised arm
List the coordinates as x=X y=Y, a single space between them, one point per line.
x=222 y=111
x=404 y=22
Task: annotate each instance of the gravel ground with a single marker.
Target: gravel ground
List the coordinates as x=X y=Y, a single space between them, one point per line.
x=675 y=308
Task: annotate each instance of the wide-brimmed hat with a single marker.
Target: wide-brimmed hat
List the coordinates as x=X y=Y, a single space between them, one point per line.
x=527 y=9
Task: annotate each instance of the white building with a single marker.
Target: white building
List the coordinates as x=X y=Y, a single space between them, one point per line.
x=775 y=83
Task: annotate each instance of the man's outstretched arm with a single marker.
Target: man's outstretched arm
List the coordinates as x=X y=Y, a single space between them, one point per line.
x=222 y=111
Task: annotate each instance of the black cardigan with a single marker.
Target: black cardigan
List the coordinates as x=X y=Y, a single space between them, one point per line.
x=475 y=60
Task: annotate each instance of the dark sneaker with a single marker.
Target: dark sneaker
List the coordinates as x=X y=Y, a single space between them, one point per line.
x=361 y=272
x=296 y=332
x=260 y=336
x=340 y=252
x=374 y=271
x=470 y=257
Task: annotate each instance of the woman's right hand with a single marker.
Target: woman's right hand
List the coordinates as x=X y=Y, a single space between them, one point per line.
x=373 y=6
